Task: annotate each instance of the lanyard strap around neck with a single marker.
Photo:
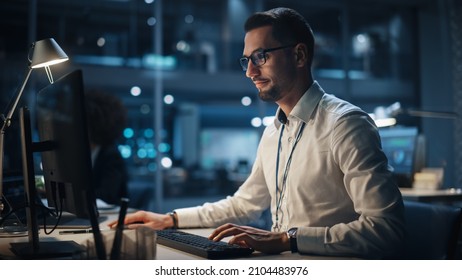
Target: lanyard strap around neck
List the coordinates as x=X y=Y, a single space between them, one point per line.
x=286 y=169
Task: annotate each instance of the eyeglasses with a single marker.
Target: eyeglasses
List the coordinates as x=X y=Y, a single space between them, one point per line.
x=258 y=57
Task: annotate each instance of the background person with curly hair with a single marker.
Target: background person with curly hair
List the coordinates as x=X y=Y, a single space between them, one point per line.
x=106 y=119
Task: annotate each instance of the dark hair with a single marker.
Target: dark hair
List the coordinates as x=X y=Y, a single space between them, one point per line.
x=106 y=117
x=289 y=27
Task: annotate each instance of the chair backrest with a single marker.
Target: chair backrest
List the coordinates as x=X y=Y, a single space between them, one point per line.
x=432 y=230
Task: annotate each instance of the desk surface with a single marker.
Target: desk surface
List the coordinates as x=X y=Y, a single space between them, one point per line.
x=439 y=195
x=163 y=252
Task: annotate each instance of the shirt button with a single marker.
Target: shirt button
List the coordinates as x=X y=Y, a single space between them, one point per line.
x=290 y=139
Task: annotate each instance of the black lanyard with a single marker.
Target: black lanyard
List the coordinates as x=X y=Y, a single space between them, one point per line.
x=286 y=170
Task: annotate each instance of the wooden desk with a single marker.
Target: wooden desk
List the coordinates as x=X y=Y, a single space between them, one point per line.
x=447 y=196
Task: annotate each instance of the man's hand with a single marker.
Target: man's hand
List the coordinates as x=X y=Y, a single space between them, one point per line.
x=144 y=218
x=258 y=239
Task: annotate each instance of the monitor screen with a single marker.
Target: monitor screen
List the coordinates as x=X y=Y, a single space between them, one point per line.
x=228 y=148
x=400 y=145
x=67 y=166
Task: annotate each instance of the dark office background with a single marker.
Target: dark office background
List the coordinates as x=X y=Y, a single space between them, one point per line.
x=175 y=66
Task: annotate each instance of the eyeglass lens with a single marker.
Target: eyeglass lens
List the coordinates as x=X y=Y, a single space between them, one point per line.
x=258 y=58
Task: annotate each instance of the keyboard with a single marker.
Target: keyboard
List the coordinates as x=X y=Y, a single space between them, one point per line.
x=199 y=245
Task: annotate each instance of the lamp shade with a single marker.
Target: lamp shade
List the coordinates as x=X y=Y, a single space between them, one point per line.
x=47 y=52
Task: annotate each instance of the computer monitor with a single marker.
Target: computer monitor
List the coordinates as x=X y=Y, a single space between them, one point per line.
x=402 y=146
x=66 y=161
x=60 y=116
x=228 y=148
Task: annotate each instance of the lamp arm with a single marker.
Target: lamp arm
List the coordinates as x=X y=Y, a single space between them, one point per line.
x=6 y=123
x=9 y=114
x=432 y=114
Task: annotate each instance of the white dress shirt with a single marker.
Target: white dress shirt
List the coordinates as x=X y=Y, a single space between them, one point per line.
x=338 y=189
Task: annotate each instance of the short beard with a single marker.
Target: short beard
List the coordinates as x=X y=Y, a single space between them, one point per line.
x=271 y=95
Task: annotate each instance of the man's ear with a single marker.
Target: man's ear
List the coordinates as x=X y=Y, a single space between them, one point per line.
x=301 y=54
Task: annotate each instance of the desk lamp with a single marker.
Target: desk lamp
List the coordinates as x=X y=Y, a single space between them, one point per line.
x=386 y=116
x=42 y=54
x=396 y=109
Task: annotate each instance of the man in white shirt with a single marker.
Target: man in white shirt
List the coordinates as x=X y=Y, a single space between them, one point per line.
x=319 y=167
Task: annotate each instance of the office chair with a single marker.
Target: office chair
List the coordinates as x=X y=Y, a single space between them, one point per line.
x=432 y=230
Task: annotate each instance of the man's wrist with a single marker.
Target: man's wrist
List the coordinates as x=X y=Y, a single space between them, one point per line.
x=292 y=235
x=174 y=219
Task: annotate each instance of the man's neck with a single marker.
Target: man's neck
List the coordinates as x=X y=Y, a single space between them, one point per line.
x=291 y=99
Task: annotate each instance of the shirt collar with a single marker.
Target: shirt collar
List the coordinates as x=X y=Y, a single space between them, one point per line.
x=304 y=108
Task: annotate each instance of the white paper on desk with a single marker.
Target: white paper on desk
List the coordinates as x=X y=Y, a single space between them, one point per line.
x=102 y=205
x=105 y=208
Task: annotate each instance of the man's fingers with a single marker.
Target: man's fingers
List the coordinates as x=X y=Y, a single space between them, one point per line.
x=228 y=232
x=219 y=230
x=232 y=230
x=243 y=240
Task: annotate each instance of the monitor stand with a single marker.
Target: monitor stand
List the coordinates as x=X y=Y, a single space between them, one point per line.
x=48 y=250
x=35 y=249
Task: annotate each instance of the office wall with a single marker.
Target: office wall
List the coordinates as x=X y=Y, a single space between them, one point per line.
x=439 y=41
x=455 y=20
